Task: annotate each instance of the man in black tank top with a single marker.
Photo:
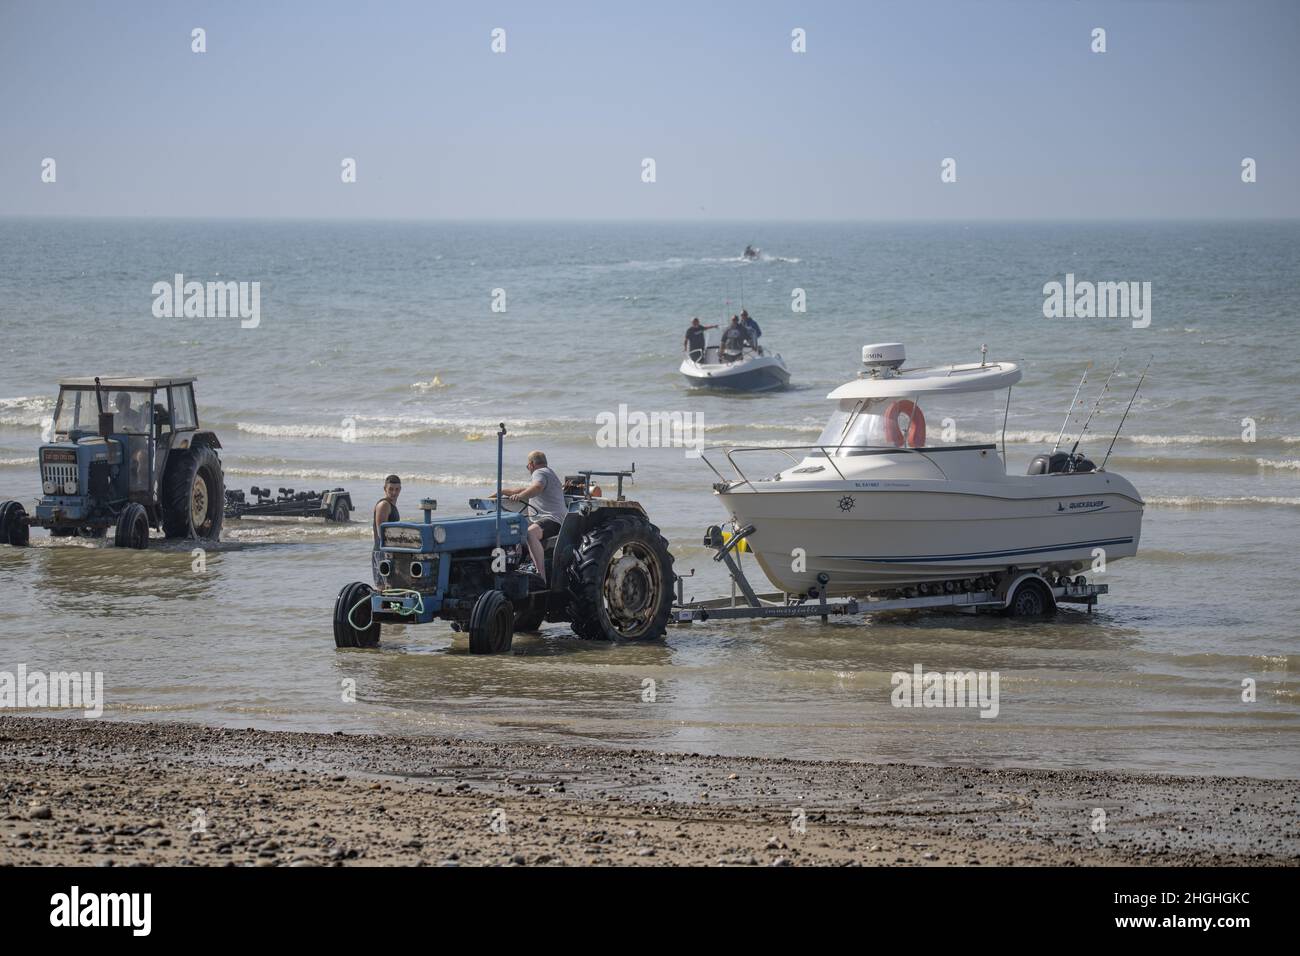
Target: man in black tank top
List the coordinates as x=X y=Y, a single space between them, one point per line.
x=386 y=507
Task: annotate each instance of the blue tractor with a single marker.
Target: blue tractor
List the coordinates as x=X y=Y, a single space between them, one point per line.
x=608 y=572
x=128 y=455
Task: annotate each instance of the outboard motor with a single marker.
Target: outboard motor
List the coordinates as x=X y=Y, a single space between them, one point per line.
x=1060 y=463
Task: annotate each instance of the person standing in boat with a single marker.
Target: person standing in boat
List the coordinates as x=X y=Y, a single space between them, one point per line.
x=694 y=343
x=752 y=330
x=733 y=341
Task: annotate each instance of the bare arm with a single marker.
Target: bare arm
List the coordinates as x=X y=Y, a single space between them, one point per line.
x=532 y=491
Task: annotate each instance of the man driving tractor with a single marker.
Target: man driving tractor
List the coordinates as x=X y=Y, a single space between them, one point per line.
x=546 y=493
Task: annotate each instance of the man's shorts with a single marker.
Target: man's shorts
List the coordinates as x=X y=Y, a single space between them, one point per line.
x=550 y=527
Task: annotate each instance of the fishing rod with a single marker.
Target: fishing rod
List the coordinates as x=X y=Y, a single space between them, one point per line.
x=1105 y=388
x=1126 y=411
x=1069 y=412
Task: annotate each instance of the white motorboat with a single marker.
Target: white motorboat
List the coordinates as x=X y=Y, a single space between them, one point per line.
x=751 y=371
x=878 y=503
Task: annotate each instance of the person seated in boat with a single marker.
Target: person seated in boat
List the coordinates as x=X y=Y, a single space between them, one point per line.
x=694 y=343
x=546 y=492
x=752 y=330
x=734 y=339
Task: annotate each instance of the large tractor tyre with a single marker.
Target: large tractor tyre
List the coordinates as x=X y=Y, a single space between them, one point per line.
x=340 y=512
x=13 y=524
x=620 y=581
x=353 y=624
x=1032 y=598
x=194 y=495
x=132 y=528
x=491 y=624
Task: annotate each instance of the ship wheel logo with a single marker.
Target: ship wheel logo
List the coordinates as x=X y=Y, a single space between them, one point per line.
x=847 y=503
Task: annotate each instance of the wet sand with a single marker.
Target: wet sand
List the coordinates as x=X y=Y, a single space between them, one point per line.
x=117 y=794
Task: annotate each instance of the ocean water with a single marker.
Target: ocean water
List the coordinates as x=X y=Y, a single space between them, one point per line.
x=378 y=350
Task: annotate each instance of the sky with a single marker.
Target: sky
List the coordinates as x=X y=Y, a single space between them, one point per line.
x=739 y=126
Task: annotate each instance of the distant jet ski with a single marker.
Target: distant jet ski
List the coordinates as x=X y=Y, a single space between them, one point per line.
x=751 y=252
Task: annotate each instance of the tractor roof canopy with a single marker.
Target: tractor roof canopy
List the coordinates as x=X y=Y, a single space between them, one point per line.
x=162 y=382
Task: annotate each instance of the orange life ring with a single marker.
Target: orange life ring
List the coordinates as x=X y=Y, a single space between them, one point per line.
x=915 y=424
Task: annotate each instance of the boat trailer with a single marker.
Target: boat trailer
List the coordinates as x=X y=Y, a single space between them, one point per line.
x=332 y=505
x=744 y=602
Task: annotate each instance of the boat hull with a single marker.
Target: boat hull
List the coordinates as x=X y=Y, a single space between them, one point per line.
x=876 y=538
x=761 y=373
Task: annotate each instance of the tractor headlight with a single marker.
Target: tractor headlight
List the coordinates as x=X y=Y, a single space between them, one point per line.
x=417 y=569
x=385 y=568
x=50 y=488
x=439 y=533
x=70 y=486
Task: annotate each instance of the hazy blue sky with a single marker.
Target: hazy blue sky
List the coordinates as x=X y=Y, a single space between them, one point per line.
x=740 y=127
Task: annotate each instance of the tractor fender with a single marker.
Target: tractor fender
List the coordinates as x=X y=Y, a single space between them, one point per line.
x=205 y=438
x=578 y=525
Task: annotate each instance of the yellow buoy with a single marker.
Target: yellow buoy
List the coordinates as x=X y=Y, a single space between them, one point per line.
x=743 y=546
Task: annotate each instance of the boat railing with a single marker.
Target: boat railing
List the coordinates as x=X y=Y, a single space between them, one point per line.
x=730 y=451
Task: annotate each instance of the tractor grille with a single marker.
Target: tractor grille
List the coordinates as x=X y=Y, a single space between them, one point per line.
x=401 y=576
x=61 y=473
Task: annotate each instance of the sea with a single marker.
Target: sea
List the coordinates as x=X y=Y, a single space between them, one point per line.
x=402 y=347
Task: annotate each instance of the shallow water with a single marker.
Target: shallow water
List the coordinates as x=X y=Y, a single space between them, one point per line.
x=384 y=333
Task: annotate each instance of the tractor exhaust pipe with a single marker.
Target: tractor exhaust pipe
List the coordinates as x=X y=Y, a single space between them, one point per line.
x=105 y=418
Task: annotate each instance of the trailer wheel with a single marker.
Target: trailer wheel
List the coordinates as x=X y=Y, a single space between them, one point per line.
x=132 y=528
x=341 y=512
x=13 y=524
x=1031 y=599
x=491 y=624
x=620 y=582
x=353 y=604
x=194 y=495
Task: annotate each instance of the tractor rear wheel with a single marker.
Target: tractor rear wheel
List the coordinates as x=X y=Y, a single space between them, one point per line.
x=132 y=528
x=13 y=524
x=340 y=512
x=621 y=582
x=194 y=495
x=353 y=625
x=491 y=624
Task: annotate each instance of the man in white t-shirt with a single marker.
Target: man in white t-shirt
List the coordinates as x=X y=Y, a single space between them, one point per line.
x=546 y=493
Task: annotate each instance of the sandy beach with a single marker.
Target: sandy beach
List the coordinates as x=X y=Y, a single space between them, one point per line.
x=120 y=794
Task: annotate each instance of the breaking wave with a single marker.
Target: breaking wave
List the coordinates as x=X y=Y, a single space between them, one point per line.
x=344 y=474
x=1216 y=501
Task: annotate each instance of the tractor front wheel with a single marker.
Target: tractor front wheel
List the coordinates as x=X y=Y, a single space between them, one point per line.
x=621 y=582
x=491 y=624
x=353 y=624
x=132 y=528
x=13 y=524
x=193 y=495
